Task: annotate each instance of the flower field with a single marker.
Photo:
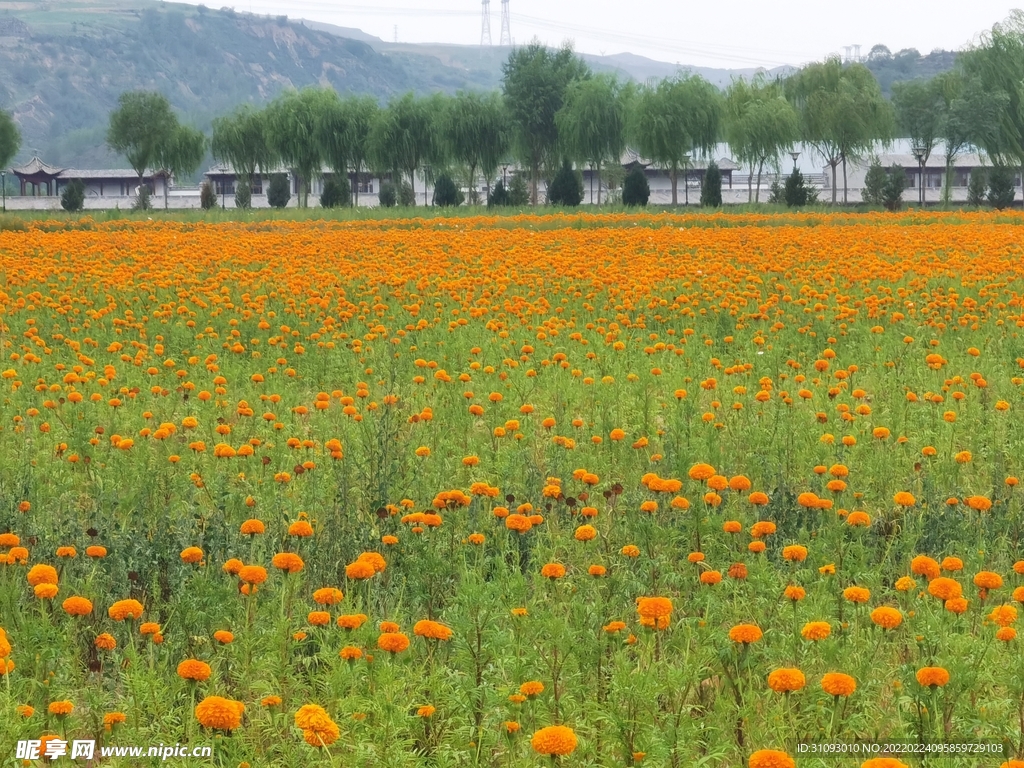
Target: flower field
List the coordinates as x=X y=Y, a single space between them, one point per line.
x=600 y=490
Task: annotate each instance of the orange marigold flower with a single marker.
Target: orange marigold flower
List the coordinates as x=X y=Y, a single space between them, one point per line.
x=393 y=642
x=745 y=633
x=61 y=708
x=944 y=588
x=531 y=688
x=41 y=574
x=929 y=676
x=585 y=533
x=922 y=565
x=252 y=527
x=105 y=642
x=359 y=570
x=795 y=593
x=328 y=596
x=191 y=555
x=816 y=630
x=554 y=740
x=193 y=669
x=857 y=594
x=988 y=580
x=770 y=758
x=287 y=561
x=432 y=630
x=795 y=553
x=710 y=577
x=1003 y=615
x=838 y=684
x=77 y=606
x=597 y=570
x=762 y=528
x=887 y=617
x=125 y=609
x=219 y=713
x=553 y=571
x=252 y=574
x=701 y=472
x=350 y=653
x=351 y=621
x=223 y=637
x=300 y=529
x=904 y=499
x=786 y=680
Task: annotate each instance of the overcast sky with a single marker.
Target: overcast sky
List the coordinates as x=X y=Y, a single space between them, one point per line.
x=726 y=33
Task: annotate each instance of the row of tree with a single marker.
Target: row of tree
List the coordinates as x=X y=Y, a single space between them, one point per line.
x=552 y=109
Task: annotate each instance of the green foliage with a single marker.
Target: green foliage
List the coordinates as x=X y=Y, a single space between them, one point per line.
x=592 y=122
x=997 y=62
x=475 y=128
x=243 y=193
x=141 y=128
x=406 y=195
x=278 y=190
x=518 y=191
x=798 y=193
x=977 y=185
x=10 y=138
x=388 y=195
x=72 y=199
x=402 y=137
x=535 y=81
x=884 y=187
x=760 y=125
x=292 y=121
x=499 y=196
x=567 y=187
x=841 y=110
x=240 y=139
x=446 y=193
x=711 y=190
x=675 y=119
x=361 y=112
x=207 y=197
x=144 y=201
x=635 y=189
x=336 y=193
x=906 y=65
x=920 y=112
x=1000 y=187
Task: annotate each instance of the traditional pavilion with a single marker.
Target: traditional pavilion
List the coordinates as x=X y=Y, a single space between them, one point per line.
x=47 y=180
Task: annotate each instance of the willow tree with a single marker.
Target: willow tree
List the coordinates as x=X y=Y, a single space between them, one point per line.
x=476 y=130
x=841 y=111
x=292 y=121
x=997 y=62
x=592 y=122
x=332 y=133
x=401 y=137
x=10 y=139
x=240 y=139
x=674 y=120
x=361 y=113
x=182 y=153
x=759 y=125
x=534 y=84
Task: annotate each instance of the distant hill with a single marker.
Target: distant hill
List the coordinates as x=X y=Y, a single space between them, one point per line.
x=907 y=64
x=65 y=62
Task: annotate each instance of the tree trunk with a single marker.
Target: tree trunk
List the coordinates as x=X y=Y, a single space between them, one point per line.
x=412 y=184
x=356 y=185
x=534 y=182
x=472 y=184
x=947 y=181
x=757 y=195
x=598 y=168
x=750 y=187
x=675 y=198
x=844 y=180
x=833 y=163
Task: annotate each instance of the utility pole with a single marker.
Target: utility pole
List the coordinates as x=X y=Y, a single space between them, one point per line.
x=506 y=25
x=485 y=24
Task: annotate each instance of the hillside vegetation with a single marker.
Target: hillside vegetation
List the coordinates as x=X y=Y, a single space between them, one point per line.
x=66 y=62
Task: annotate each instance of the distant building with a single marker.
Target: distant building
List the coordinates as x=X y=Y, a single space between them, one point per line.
x=932 y=178
x=224 y=179
x=39 y=179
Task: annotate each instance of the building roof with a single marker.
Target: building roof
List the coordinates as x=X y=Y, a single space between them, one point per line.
x=103 y=173
x=936 y=160
x=696 y=164
x=35 y=167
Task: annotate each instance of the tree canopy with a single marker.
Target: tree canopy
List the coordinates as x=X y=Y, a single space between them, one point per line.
x=10 y=139
x=760 y=124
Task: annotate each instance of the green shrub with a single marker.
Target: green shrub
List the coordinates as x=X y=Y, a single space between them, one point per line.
x=406 y=195
x=566 y=188
x=278 y=191
x=1000 y=187
x=446 y=194
x=388 y=195
x=143 y=202
x=243 y=194
x=207 y=197
x=635 y=189
x=499 y=196
x=798 y=193
x=874 y=183
x=336 y=194
x=977 y=184
x=518 y=191
x=711 y=189
x=72 y=199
